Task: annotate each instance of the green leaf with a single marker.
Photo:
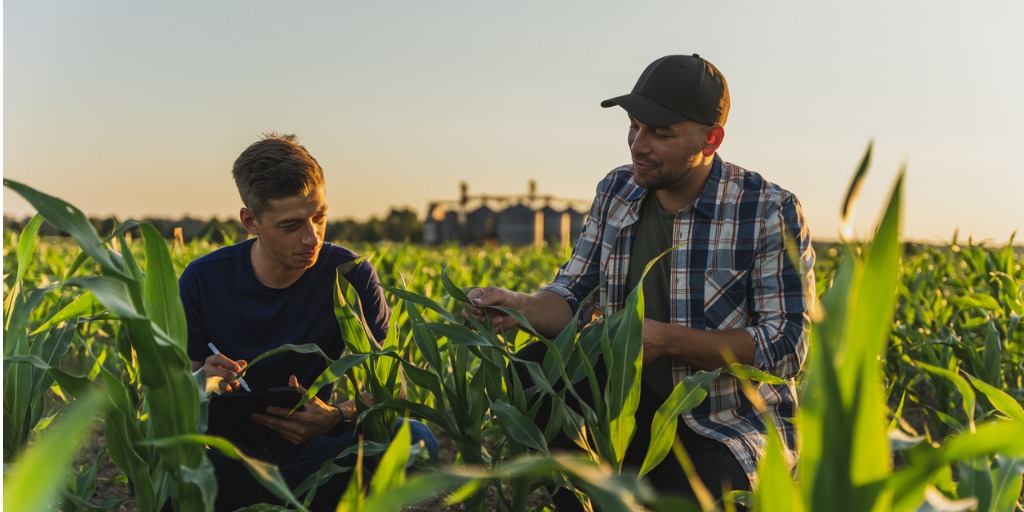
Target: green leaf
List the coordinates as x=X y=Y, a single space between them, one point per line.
x=420 y=487
x=519 y=427
x=69 y=219
x=987 y=302
x=1003 y=402
x=418 y=410
x=966 y=393
x=421 y=300
x=83 y=305
x=124 y=443
x=776 y=489
x=161 y=299
x=852 y=193
x=1006 y=437
x=622 y=391
x=450 y=287
x=390 y=473
x=909 y=483
x=745 y=372
x=333 y=372
x=993 y=353
x=1007 y=482
x=459 y=334
x=869 y=327
x=27 y=244
x=112 y=292
x=352 y=330
x=687 y=394
x=265 y=473
x=35 y=477
x=425 y=342
x=305 y=348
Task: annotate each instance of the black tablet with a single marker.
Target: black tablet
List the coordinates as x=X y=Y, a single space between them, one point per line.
x=230 y=414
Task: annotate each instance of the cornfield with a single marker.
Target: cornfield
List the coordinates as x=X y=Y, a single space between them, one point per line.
x=910 y=399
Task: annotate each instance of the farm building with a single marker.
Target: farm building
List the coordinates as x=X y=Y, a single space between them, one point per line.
x=526 y=219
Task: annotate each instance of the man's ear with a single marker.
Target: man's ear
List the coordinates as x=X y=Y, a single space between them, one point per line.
x=248 y=220
x=713 y=139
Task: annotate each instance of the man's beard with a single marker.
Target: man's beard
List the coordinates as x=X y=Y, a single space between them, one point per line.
x=660 y=178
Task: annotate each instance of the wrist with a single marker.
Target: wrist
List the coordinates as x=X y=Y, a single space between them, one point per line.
x=345 y=423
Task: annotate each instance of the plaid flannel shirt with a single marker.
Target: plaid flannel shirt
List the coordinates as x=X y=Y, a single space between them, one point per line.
x=732 y=272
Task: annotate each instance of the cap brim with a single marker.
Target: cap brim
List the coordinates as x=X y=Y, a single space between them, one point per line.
x=645 y=110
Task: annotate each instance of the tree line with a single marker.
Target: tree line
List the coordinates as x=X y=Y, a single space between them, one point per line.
x=399 y=225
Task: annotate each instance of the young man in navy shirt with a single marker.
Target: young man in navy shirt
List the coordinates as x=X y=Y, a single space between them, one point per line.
x=276 y=289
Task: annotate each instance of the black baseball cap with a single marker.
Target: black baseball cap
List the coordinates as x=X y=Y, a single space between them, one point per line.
x=676 y=88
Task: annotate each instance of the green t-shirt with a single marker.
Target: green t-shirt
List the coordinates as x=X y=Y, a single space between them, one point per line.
x=652 y=235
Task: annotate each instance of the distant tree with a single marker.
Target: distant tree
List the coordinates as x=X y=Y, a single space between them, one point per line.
x=403 y=226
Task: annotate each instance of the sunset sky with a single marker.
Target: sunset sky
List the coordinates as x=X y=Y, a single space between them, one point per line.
x=139 y=108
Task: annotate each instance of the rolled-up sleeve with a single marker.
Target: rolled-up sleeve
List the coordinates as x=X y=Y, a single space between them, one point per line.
x=581 y=274
x=781 y=294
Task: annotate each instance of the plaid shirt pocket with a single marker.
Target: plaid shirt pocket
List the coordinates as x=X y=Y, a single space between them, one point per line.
x=725 y=298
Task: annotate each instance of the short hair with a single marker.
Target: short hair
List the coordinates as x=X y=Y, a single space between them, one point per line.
x=273 y=168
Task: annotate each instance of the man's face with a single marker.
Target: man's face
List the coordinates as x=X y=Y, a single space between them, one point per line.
x=665 y=157
x=291 y=231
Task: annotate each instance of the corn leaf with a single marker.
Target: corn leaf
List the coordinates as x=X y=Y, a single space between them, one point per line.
x=687 y=394
x=1002 y=401
x=27 y=245
x=421 y=300
x=69 y=219
x=420 y=487
x=852 y=193
x=37 y=475
x=161 y=299
x=1008 y=479
x=390 y=473
x=622 y=391
x=264 y=472
x=520 y=428
x=83 y=305
x=967 y=395
x=776 y=489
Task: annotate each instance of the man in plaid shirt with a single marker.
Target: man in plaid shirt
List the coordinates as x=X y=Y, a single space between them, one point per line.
x=731 y=288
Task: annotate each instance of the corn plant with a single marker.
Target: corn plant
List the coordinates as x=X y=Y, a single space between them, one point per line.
x=37 y=474
x=917 y=410
x=147 y=304
x=846 y=442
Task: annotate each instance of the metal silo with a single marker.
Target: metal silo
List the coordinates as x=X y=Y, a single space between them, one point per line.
x=576 y=220
x=450 y=228
x=481 y=225
x=555 y=226
x=432 y=224
x=517 y=225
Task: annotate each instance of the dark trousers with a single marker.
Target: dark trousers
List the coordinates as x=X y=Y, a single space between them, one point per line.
x=714 y=463
x=237 y=488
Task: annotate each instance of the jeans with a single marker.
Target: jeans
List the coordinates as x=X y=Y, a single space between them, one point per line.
x=237 y=488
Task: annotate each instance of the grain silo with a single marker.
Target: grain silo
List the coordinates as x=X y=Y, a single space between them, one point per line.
x=556 y=226
x=450 y=227
x=441 y=225
x=432 y=224
x=576 y=220
x=517 y=225
x=481 y=225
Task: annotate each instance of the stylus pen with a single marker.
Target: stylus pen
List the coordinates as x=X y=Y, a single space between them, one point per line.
x=240 y=380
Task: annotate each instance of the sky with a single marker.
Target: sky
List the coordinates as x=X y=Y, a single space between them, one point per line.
x=138 y=109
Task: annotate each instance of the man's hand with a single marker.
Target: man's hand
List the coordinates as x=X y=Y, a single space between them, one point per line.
x=703 y=350
x=483 y=298
x=218 y=365
x=314 y=418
